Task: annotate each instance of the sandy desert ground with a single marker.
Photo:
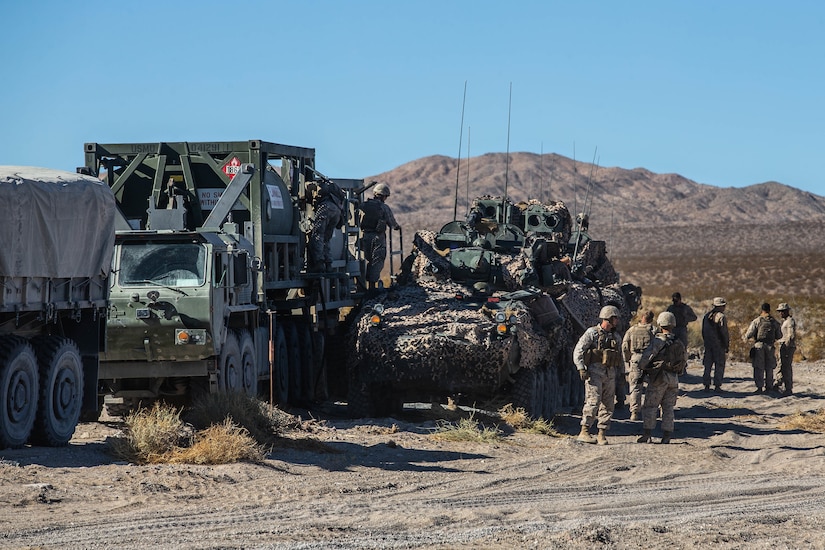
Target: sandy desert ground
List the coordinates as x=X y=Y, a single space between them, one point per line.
x=732 y=478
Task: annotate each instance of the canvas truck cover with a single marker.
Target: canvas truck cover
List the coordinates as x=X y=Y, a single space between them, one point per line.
x=54 y=224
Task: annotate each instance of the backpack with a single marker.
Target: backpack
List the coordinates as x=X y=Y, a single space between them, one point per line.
x=765 y=330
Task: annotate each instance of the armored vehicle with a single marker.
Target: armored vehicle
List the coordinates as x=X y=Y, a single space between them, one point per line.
x=487 y=311
x=211 y=290
x=58 y=232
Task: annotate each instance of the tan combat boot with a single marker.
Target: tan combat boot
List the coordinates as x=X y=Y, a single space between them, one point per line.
x=601 y=439
x=645 y=437
x=584 y=436
x=666 y=437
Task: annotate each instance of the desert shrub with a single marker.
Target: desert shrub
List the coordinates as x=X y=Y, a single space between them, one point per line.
x=519 y=420
x=263 y=422
x=218 y=444
x=466 y=429
x=150 y=434
x=809 y=422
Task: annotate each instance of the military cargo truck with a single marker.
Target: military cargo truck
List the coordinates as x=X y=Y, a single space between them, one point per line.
x=57 y=230
x=487 y=311
x=211 y=290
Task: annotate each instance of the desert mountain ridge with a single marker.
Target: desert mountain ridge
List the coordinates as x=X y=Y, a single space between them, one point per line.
x=424 y=193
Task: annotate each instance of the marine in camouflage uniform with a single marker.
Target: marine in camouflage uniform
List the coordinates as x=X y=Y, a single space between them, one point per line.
x=664 y=360
x=684 y=314
x=597 y=357
x=376 y=215
x=635 y=341
x=717 y=343
x=328 y=212
x=764 y=331
x=787 y=347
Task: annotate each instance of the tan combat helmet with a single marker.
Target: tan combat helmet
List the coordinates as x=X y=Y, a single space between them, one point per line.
x=666 y=319
x=719 y=302
x=783 y=307
x=608 y=311
x=382 y=189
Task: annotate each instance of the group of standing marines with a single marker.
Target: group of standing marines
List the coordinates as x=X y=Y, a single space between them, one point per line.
x=653 y=358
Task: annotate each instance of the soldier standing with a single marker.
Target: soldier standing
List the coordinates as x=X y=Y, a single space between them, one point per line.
x=684 y=314
x=717 y=343
x=328 y=203
x=376 y=215
x=764 y=330
x=664 y=360
x=635 y=341
x=597 y=357
x=787 y=347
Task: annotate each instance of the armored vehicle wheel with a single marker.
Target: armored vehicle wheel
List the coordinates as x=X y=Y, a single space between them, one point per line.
x=307 y=348
x=249 y=366
x=230 y=371
x=280 y=369
x=61 y=390
x=527 y=392
x=293 y=347
x=18 y=391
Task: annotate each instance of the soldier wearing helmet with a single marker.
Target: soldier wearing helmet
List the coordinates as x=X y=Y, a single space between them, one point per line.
x=635 y=341
x=598 y=358
x=787 y=347
x=663 y=361
x=375 y=216
x=717 y=343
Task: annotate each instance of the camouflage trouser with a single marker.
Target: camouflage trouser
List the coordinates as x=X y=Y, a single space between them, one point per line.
x=636 y=388
x=786 y=367
x=327 y=218
x=714 y=356
x=764 y=361
x=662 y=391
x=374 y=246
x=599 y=396
x=682 y=334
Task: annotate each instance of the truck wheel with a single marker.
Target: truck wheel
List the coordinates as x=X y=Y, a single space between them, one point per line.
x=527 y=392
x=61 y=390
x=249 y=366
x=294 y=361
x=230 y=372
x=18 y=391
x=281 y=368
x=307 y=348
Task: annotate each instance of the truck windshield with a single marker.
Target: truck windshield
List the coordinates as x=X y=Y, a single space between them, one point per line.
x=164 y=264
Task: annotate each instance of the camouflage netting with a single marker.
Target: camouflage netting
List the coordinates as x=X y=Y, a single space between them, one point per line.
x=429 y=338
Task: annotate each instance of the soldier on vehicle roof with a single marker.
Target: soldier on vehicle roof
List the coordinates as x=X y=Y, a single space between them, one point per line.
x=764 y=331
x=376 y=215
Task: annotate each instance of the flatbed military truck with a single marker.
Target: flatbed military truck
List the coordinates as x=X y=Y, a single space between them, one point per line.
x=57 y=230
x=211 y=291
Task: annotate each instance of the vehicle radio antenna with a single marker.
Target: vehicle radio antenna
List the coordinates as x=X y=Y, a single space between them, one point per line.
x=507 y=158
x=460 y=139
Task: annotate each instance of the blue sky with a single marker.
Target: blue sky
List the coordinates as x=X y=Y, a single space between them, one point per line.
x=728 y=93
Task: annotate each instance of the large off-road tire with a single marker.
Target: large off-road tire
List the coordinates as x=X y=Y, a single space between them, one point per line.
x=310 y=374
x=249 y=364
x=360 y=401
x=527 y=392
x=280 y=370
x=293 y=347
x=230 y=370
x=19 y=386
x=61 y=390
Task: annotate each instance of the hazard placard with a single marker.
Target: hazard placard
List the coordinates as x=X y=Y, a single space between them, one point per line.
x=232 y=167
